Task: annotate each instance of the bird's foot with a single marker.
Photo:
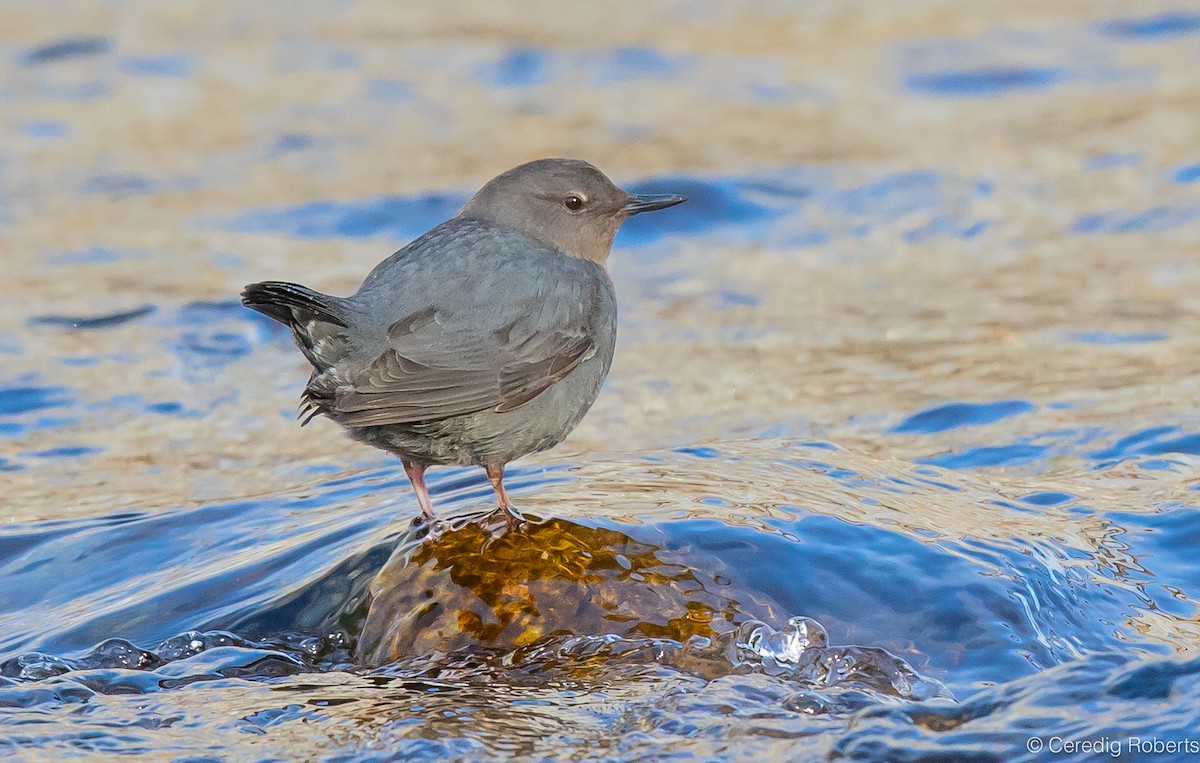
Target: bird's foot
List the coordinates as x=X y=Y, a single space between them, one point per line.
x=429 y=526
x=504 y=520
x=513 y=518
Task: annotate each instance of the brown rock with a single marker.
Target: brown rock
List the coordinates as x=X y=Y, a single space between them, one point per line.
x=482 y=583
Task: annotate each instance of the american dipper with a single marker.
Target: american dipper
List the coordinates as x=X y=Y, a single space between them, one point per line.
x=483 y=340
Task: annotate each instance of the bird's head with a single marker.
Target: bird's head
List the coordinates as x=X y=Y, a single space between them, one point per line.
x=565 y=204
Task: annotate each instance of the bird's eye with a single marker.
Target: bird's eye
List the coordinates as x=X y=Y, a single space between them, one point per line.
x=573 y=203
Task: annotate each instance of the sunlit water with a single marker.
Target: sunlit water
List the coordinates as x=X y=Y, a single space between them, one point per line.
x=898 y=459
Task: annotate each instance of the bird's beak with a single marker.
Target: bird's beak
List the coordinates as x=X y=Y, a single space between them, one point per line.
x=648 y=202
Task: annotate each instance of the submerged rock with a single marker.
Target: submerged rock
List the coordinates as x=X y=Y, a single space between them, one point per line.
x=483 y=583
x=555 y=600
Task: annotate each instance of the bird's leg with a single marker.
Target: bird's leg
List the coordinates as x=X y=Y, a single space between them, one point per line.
x=495 y=473
x=416 y=475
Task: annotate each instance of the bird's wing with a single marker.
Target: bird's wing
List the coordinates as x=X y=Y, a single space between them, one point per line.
x=461 y=354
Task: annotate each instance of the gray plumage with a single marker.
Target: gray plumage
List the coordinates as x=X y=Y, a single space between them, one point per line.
x=483 y=340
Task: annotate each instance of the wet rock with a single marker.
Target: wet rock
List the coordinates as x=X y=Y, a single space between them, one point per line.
x=482 y=583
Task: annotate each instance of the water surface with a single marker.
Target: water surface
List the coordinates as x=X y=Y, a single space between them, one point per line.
x=897 y=460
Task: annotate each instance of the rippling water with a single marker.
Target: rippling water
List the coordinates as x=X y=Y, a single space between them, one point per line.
x=898 y=458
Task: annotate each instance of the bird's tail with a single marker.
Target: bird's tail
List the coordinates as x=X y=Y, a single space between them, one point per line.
x=292 y=304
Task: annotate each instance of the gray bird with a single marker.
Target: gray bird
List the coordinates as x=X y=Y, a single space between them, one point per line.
x=482 y=341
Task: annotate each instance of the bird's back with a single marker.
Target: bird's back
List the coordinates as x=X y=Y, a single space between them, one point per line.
x=473 y=342
x=481 y=346
x=476 y=275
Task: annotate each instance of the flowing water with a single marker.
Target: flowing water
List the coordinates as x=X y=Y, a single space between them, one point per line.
x=898 y=459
